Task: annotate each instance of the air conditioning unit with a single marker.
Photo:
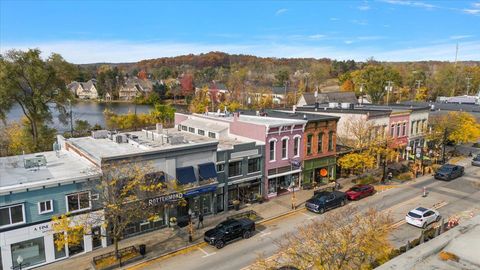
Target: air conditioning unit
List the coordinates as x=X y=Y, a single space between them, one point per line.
x=100 y=134
x=120 y=138
x=36 y=161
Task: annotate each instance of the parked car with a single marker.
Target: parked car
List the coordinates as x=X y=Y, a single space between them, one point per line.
x=228 y=231
x=422 y=217
x=449 y=172
x=359 y=191
x=324 y=200
x=476 y=160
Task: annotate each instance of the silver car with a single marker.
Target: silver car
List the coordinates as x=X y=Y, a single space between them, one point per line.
x=476 y=160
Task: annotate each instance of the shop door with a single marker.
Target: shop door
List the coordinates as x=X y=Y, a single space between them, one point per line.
x=205 y=203
x=96 y=237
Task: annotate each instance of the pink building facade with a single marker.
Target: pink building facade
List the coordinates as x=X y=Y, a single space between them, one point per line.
x=399 y=131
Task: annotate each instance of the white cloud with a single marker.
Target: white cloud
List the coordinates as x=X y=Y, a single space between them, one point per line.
x=364 y=7
x=334 y=19
x=81 y=52
x=460 y=37
x=317 y=36
x=281 y=11
x=471 y=11
x=477 y=5
x=410 y=3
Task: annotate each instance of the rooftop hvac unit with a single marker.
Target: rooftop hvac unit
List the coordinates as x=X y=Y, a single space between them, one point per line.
x=120 y=138
x=36 y=161
x=99 y=134
x=177 y=139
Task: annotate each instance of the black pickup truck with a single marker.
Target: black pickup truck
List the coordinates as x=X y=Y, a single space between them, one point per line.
x=324 y=200
x=229 y=230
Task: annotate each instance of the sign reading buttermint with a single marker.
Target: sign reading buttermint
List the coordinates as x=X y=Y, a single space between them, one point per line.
x=165 y=199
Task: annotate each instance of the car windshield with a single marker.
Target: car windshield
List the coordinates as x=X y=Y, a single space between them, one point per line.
x=356 y=189
x=221 y=226
x=414 y=215
x=445 y=169
x=321 y=198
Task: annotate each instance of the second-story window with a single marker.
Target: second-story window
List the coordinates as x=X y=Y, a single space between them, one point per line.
x=296 y=146
x=78 y=201
x=284 y=148
x=418 y=126
x=45 y=207
x=220 y=167
x=330 y=141
x=412 y=127
x=272 y=150
x=309 y=144
x=398 y=130
x=253 y=165
x=392 y=130
x=404 y=129
x=234 y=168
x=320 y=142
x=12 y=215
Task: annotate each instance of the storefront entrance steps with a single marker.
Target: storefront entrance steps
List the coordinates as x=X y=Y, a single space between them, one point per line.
x=164 y=241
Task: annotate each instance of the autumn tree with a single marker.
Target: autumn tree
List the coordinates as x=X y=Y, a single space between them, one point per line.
x=201 y=101
x=375 y=78
x=346 y=239
x=357 y=162
x=163 y=114
x=187 y=86
x=124 y=190
x=35 y=85
x=282 y=76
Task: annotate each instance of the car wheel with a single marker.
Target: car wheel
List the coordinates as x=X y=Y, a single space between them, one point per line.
x=247 y=234
x=438 y=218
x=342 y=203
x=424 y=225
x=321 y=210
x=219 y=244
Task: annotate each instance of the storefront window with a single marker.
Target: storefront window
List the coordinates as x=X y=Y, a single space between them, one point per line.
x=59 y=253
x=75 y=248
x=272 y=185
x=32 y=251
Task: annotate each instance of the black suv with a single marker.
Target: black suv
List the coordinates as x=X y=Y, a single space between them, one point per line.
x=229 y=230
x=324 y=200
x=449 y=172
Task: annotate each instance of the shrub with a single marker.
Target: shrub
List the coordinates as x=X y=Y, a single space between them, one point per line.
x=448 y=256
x=405 y=176
x=369 y=179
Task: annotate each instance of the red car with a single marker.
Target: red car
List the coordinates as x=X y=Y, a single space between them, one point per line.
x=359 y=191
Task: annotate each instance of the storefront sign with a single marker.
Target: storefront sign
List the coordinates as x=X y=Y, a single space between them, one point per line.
x=41 y=228
x=165 y=198
x=323 y=172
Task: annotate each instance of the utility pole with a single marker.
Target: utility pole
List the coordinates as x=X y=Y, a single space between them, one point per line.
x=468 y=84
x=71 y=118
x=285 y=98
x=456 y=73
x=443 y=145
x=389 y=88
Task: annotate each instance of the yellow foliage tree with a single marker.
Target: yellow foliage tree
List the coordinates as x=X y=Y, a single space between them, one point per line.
x=458 y=127
x=421 y=94
x=123 y=190
x=357 y=161
x=201 y=101
x=346 y=239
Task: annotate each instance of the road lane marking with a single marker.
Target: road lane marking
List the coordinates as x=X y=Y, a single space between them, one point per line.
x=307 y=215
x=263 y=234
x=206 y=253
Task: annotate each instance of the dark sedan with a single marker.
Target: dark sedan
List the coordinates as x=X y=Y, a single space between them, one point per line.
x=449 y=171
x=359 y=191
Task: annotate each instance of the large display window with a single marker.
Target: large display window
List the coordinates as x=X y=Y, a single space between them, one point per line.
x=31 y=252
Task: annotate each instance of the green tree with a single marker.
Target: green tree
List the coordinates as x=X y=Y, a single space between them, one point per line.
x=163 y=113
x=35 y=85
x=282 y=76
x=375 y=78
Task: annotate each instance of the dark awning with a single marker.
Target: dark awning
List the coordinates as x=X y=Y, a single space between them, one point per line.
x=186 y=175
x=207 y=171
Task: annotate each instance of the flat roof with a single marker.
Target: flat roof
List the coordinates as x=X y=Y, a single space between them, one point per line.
x=270 y=121
x=356 y=110
x=140 y=142
x=60 y=168
x=205 y=125
x=301 y=115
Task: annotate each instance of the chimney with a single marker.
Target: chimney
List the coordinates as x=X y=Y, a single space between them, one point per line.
x=159 y=128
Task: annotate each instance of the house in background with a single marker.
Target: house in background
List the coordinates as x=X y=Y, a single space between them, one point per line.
x=310 y=99
x=84 y=90
x=134 y=87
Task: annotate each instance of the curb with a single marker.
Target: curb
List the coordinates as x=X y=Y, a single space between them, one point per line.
x=200 y=244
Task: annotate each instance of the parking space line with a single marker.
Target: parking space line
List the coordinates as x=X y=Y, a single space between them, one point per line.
x=206 y=253
x=263 y=234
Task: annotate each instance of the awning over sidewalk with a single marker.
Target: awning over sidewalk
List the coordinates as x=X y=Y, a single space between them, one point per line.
x=186 y=175
x=207 y=171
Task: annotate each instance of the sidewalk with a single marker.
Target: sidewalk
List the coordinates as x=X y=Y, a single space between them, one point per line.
x=166 y=240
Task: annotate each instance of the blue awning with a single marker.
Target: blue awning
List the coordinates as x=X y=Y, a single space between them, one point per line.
x=186 y=175
x=200 y=190
x=207 y=171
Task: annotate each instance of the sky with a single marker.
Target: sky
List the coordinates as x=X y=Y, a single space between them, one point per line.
x=126 y=31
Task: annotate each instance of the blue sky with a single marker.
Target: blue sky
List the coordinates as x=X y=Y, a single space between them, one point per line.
x=125 y=31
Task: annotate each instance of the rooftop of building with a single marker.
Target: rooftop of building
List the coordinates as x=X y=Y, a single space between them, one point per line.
x=254 y=117
x=29 y=171
x=298 y=115
x=138 y=142
x=326 y=109
x=446 y=106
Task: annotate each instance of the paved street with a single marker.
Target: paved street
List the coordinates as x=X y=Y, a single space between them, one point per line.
x=450 y=198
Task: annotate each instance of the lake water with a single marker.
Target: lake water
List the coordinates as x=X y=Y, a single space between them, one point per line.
x=90 y=111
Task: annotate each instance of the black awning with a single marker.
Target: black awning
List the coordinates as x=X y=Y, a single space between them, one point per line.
x=207 y=171
x=186 y=175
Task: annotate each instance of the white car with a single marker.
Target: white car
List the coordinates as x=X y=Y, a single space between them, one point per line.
x=422 y=217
